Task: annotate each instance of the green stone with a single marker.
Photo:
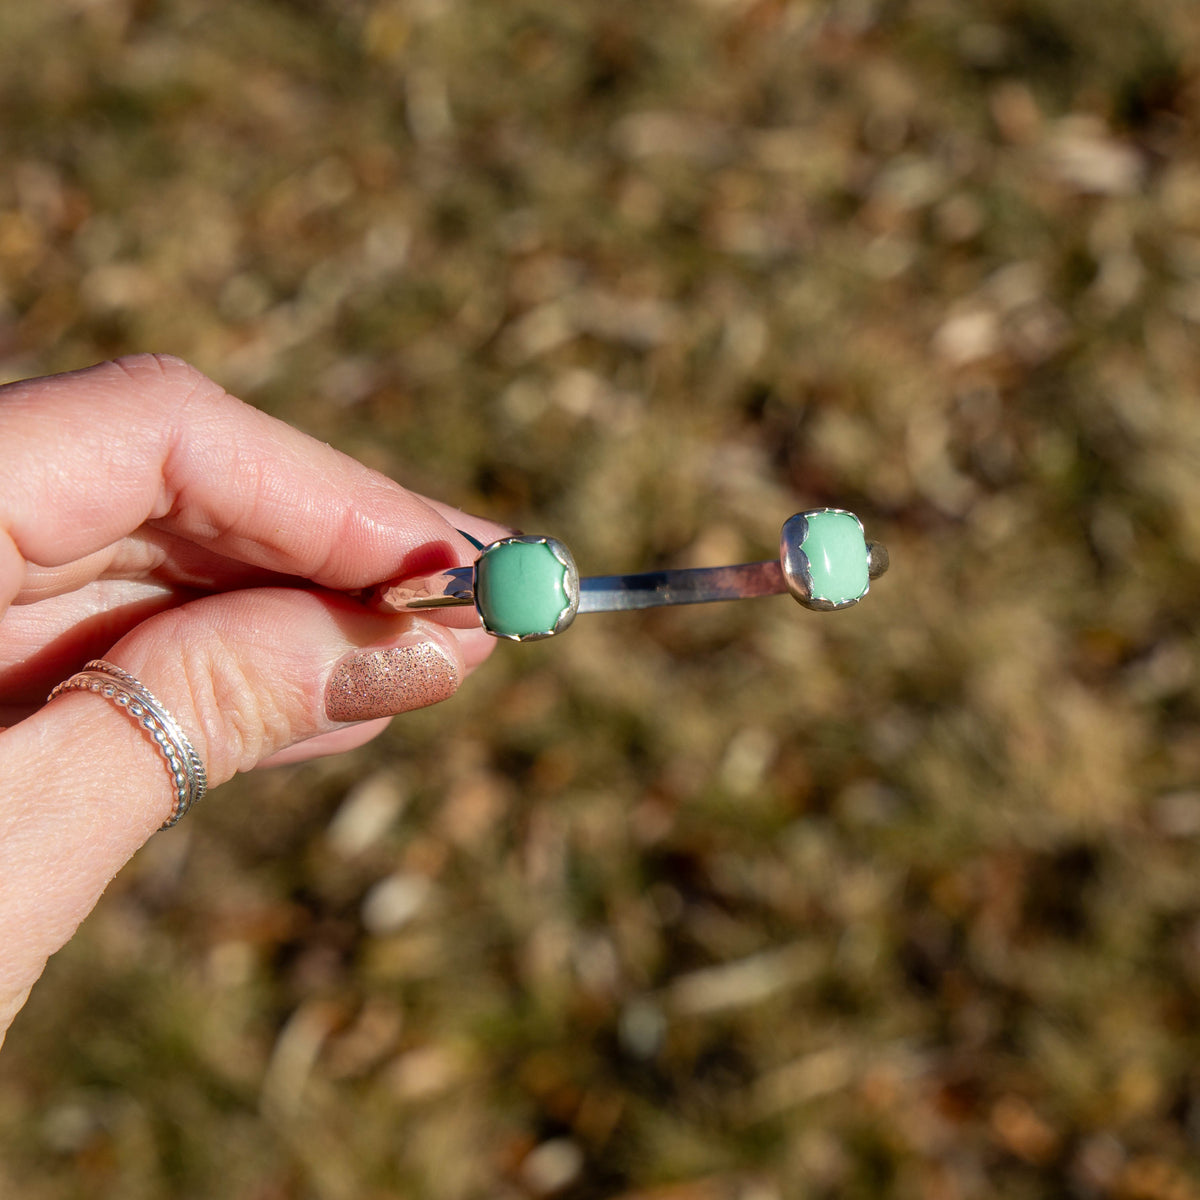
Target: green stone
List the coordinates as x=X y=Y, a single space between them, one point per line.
x=521 y=589
x=838 y=559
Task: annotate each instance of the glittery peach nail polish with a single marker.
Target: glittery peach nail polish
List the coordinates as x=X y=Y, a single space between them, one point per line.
x=380 y=683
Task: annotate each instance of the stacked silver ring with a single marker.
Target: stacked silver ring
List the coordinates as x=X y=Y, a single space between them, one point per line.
x=187 y=770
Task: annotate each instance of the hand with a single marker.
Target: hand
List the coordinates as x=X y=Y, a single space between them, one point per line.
x=214 y=553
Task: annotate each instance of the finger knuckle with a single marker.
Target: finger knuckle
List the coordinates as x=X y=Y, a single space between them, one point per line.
x=165 y=379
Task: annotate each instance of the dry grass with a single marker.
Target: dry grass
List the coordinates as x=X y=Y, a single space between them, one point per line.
x=704 y=904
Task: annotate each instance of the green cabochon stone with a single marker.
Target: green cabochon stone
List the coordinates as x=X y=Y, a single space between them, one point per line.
x=520 y=588
x=837 y=557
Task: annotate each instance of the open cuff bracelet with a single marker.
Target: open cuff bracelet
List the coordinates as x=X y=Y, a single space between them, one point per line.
x=526 y=588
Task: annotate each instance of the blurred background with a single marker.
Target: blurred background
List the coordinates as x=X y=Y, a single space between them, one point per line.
x=725 y=903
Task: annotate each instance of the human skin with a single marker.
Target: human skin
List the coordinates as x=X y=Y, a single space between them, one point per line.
x=215 y=553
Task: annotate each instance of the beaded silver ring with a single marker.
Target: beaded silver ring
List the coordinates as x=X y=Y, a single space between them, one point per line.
x=186 y=769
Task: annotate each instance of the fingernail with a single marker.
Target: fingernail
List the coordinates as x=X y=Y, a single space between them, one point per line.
x=381 y=683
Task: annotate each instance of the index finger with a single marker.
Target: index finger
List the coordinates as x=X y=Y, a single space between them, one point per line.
x=93 y=455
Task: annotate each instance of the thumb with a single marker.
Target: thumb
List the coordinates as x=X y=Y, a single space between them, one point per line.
x=246 y=675
x=255 y=672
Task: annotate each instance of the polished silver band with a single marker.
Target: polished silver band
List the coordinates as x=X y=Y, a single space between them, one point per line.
x=183 y=763
x=697 y=585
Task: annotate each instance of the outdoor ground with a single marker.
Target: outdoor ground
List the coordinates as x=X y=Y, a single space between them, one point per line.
x=725 y=903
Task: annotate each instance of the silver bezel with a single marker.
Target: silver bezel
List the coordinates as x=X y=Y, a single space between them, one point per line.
x=570 y=584
x=796 y=568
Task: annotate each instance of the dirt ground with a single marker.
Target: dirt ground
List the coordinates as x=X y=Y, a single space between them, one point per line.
x=736 y=902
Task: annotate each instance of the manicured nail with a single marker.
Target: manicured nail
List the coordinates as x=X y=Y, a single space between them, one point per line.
x=380 y=683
